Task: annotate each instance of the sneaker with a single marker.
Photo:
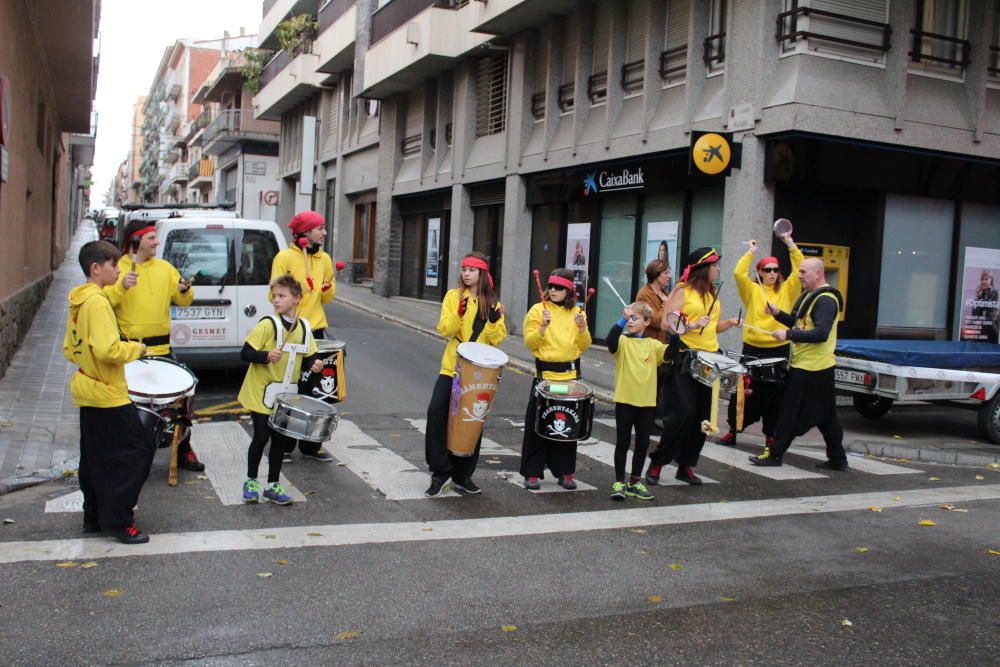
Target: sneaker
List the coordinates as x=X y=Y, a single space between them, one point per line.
x=251 y=491
x=653 y=474
x=322 y=455
x=91 y=526
x=769 y=441
x=467 y=485
x=832 y=465
x=190 y=462
x=765 y=460
x=638 y=490
x=686 y=474
x=286 y=458
x=567 y=482
x=276 y=494
x=532 y=484
x=618 y=491
x=729 y=439
x=128 y=534
x=437 y=486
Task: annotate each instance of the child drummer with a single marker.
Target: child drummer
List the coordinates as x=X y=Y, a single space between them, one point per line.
x=555 y=332
x=268 y=362
x=636 y=361
x=469 y=313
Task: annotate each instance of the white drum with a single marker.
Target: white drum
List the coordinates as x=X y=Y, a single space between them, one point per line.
x=483 y=355
x=158 y=382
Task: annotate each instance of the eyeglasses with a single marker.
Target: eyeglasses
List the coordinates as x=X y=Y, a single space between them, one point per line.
x=557 y=287
x=633 y=318
x=772 y=269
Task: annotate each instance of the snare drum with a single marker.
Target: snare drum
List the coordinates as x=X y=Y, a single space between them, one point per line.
x=772 y=369
x=303 y=418
x=565 y=410
x=707 y=367
x=731 y=375
x=477 y=375
x=330 y=384
x=165 y=388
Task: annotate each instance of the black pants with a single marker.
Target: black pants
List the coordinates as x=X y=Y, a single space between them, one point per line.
x=626 y=417
x=441 y=462
x=690 y=403
x=280 y=444
x=115 y=455
x=308 y=446
x=538 y=452
x=764 y=400
x=810 y=400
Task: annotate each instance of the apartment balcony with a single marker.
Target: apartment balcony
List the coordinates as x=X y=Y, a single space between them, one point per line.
x=506 y=17
x=276 y=11
x=285 y=82
x=201 y=173
x=338 y=20
x=418 y=39
x=178 y=173
x=234 y=126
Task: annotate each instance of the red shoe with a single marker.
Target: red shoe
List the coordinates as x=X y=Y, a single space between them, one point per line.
x=729 y=439
x=686 y=474
x=653 y=474
x=190 y=462
x=567 y=482
x=532 y=484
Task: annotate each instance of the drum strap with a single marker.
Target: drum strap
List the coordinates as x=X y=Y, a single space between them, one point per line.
x=279 y=331
x=478 y=324
x=153 y=340
x=557 y=367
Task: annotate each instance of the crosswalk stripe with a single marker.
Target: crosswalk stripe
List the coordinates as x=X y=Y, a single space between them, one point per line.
x=858 y=463
x=605 y=453
x=486 y=527
x=71 y=502
x=383 y=469
x=489 y=447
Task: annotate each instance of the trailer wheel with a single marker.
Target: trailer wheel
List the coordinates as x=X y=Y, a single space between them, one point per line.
x=870 y=406
x=989 y=419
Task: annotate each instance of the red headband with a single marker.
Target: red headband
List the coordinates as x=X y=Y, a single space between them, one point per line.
x=708 y=259
x=562 y=282
x=476 y=263
x=142 y=232
x=766 y=260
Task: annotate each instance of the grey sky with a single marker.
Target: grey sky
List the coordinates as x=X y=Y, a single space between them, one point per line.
x=132 y=38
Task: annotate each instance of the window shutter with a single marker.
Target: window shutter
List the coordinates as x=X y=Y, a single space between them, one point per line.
x=869 y=10
x=333 y=113
x=491 y=95
x=572 y=38
x=706 y=218
x=414 y=112
x=638 y=18
x=673 y=64
x=602 y=34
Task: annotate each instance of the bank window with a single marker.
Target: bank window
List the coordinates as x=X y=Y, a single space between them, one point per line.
x=856 y=30
x=707 y=205
x=661 y=224
x=617 y=255
x=715 y=43
x=916 y=265
x=939 y=37
x=979 y=240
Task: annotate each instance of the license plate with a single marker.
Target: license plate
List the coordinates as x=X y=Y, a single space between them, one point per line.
x=198 y=312
x=853 y=377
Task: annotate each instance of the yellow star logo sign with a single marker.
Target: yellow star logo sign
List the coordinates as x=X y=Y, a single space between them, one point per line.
x=711 y=153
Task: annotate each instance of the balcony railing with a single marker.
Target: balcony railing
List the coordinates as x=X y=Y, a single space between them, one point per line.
x=788 y=29
x=597 y=87
x=925 y=44
x=273 y=68
x=715 y=51
x=632 y=75
x=673 y=64
x=331 y=11
x=538 y=105
x=203 y=168
x=236 y=121
x=398 y=12
x=566 y=97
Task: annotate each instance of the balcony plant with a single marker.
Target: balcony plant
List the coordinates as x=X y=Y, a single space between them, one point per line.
x=254 y=61
x=296 y=34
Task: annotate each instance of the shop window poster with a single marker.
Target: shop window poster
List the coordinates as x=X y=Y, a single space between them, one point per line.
x=661 y=244
x=980 y=301
x=433 y=244
x=578 y=255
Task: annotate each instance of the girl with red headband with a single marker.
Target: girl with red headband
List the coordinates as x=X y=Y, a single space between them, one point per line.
x=690 y=402
x=469 y=313
x=768 y=285
x=556 y=333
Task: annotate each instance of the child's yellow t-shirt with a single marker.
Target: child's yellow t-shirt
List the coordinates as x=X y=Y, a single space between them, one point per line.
x=263 y=338
x=636 y=362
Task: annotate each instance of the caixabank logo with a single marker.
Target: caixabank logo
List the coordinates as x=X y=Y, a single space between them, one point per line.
x=606 y=181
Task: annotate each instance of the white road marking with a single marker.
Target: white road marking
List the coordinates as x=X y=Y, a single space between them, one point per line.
x=548 y=484
x=71 y=502
x=489 y=447
x=858 y=462
x=605 y=453
x=463 y=529
x=383 y=469
x=739 y=459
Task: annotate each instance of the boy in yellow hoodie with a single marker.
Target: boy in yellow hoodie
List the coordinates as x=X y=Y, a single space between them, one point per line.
x=115 y=450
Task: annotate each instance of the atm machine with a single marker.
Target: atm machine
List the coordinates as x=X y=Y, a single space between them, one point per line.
x=836 y=261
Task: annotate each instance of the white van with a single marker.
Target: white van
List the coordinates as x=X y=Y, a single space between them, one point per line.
x=229 y=262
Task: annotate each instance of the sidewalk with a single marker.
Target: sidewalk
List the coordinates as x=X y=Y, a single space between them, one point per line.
x=599 y=372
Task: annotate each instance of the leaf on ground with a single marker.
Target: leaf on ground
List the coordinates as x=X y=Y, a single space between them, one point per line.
x=928 y=522
x=309 y=493
x=113 y=593
x=814 y=509
x=67 y=563
x=315 y=534
x=727 y=599
x=861 y=550
x=642 y=552
x=6 y=423
x=875 y=508
x=993 y=552
x=723 y=501
x=846 y=623
x=70 y=473
x=993 y=466
x=934 y=479
x=347 y=634
x=980 y=477
x=903 y=460
x=191 y=481
x=655 y=599
x=896 y=498
x=639 y=531
x=341 y=465
x=264 y=575
x=281 y=561
x=89 y=564
x=270 y=537
x=897 y=437
x=202 y=476
x=676 y=567
x=427 y=529
x=8 y=521
x=947 y=507
x=508 y=628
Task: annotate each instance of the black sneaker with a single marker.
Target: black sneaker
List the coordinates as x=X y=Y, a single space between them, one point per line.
x=832 y=465
x=765 y=460
x=91 y=526
x=686 y=474
x=128 y=534
x=437 y=486
x=322 y=456
x=190 y=462
x=467 y=485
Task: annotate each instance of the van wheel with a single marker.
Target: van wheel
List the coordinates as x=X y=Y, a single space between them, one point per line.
x=989 y=419
x=872 y=407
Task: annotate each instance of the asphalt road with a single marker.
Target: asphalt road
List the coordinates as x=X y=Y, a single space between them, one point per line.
x=833 y=569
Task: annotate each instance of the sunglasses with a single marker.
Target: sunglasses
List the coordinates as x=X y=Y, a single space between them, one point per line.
x=633 y=318
x=769 y=270
x=557 y=287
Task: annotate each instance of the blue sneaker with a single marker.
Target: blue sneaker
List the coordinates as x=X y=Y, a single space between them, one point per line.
x=276 y=494
x=251 y=491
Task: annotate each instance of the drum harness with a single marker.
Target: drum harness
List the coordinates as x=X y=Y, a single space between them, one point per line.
x=286 y=386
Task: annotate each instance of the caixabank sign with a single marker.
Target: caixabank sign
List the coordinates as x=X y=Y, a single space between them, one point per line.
x=613 y=180
x=713 y=154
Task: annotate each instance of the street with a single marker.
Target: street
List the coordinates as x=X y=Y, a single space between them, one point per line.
x=808 y=568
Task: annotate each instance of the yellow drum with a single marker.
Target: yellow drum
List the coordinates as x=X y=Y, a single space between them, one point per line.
x=476 y=378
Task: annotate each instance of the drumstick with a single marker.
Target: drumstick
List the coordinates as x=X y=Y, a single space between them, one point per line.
x=750 y=326
x=541 y=292
x=715 y=297
x=608 y=281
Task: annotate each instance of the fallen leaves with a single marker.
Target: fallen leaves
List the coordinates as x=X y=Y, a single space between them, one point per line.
x=896 y=498
x=952 y=508
x=875 y=508
x=846 y=623
x=639 y=531
x=897 y=437
x=281 y=561
x=927 y=522
x=270 y=537
x=113 y=593
x=993 y=552
x=9 y=521
x=933 y=479
x=727 y=599
x=655 y=599
x=68 y=563
x=315 y=534
x=980 y=477
x=89 y=564
x=265 y=575
x=508 y=628
x=993 y=466
x=428 y=529
x=861 y=550
x=676 y=567
x=642 y=552
x=347 y=634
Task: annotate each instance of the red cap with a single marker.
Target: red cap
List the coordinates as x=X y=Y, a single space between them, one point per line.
x=306 y=221
x=765 y=261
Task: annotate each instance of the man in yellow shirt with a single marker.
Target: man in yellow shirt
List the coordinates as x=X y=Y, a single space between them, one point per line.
x=141 y=297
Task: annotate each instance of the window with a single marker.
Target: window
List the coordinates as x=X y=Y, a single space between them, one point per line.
x=257 y=254
x=201 y=253
x=673 y=60
x=939 y=37
x=491 y=95
x=715 y=43
x=567 y=89
x=851 y=29
x=597 y=84
x=994 y=59
x=635 y=49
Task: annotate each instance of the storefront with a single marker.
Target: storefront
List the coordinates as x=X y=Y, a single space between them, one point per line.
x=424 y=253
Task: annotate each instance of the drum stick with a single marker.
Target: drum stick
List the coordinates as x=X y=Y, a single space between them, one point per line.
x=172 y=471
x=608 y=281
x=541 y=292
x=715 y=297
x=750 y=326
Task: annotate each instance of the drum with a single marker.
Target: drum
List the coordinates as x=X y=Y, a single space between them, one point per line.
x=565 y=410
x=730 y=375
x=158 y=382
x=153 y=423
x=477 y=375
x=330 y=384
x=303 y=418
x=707 y=367
x=772 y=369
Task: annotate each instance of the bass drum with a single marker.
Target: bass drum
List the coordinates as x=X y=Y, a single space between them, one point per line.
x=153 y=424
x=565 y=410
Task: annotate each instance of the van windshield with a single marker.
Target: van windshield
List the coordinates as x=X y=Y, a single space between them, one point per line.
x=204 y=255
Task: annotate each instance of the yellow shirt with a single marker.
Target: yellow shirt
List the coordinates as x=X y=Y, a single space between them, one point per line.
x=754 y=297
x=263 y=339
x=144 y=309
x=695 y=306
x=562 y=340
x=93 y=343
x=459 y=329
x=635 y=370
x=302 y=265
x=815 y=356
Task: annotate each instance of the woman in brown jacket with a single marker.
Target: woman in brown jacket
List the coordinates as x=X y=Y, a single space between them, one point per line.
x=655 y=294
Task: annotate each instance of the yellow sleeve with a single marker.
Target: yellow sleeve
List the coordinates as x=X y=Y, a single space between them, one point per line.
x=583 y=340
x=742 y=275
x=792 y=288
x=178 y=297
x=450 y=324
x=532 y=321
x=104 y=338
x=261 y=337
x=660 y=350
x=116 y=293
x=329 y=276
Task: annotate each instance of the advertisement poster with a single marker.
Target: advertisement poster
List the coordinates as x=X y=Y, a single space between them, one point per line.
x=661 y=244
x=433 y=240
x=578 y=255
x=980 y=307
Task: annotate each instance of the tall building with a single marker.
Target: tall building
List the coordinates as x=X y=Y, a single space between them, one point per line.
x=135 y=153
x=554 y=133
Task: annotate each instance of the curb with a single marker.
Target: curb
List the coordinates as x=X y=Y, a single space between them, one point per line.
x=36 y=477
